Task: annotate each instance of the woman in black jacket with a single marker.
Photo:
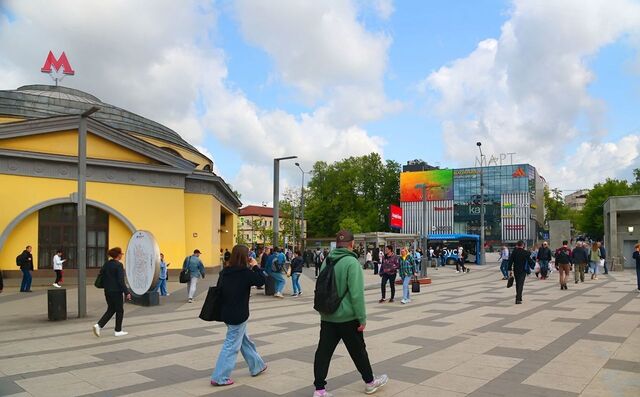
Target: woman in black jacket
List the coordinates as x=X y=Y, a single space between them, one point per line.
x=235 y=282
x=114 y=290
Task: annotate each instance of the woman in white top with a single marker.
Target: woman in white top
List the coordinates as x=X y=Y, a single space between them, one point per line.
x=57 y=267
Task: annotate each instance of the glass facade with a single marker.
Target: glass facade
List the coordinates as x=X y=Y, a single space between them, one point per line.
x=513 y=202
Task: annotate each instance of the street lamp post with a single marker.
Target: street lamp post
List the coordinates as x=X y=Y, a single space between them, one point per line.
x=482 y=258
x=423 y=241
x=276 y=196
x=302 y=228
x=82 y=212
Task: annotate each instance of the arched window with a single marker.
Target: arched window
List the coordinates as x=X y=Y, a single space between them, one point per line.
x=57 y=229
x=207 y=168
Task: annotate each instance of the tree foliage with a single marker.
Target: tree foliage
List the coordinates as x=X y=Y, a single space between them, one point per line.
x=356 y=191
x=555 y=207
x=591 y=219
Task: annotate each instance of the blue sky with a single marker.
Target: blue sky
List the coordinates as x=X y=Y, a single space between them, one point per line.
x=249 y=80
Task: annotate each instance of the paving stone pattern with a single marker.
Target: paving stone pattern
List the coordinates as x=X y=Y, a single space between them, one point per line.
x=462 y=335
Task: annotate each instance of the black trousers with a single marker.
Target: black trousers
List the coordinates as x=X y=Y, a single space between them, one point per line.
x=115 y=305
x=375 y=267
x=330 y=335
x=519 y=279
x=318 y=265
x=460 y=264
x=58 y=276
x=392 y=284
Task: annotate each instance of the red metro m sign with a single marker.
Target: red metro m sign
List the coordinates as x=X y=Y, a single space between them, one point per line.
x=51 y=64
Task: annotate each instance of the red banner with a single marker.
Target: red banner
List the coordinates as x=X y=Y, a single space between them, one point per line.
x=396 y=217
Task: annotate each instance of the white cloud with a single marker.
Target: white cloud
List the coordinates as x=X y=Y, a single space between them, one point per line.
x=160 y=61
x=126 y=53
x=593 y=161
x=525 y=91
x=384 y=8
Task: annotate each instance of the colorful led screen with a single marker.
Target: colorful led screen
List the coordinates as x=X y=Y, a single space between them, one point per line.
x=439 y=185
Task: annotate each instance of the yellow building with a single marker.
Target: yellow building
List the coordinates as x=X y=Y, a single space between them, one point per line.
x=140 y=176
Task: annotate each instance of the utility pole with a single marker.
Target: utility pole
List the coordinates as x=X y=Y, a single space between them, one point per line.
x=82 y=212
x=276 y=196
x=481 y=261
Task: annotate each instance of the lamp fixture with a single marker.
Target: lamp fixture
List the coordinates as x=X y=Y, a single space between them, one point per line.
x=630 y=229
x=223 y=231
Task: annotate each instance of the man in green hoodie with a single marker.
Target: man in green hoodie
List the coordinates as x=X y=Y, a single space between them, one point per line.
x=347 y=323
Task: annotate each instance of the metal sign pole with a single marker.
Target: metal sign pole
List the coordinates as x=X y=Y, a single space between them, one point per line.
x=82 y=213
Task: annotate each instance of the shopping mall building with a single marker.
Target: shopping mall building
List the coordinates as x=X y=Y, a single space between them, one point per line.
x=513 y=202
x=140 y=174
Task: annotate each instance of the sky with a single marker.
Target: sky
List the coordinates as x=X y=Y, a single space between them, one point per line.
x=245 y=81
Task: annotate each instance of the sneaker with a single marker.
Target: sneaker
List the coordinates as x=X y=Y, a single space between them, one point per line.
x=404 y=301
x=261 y=371
x=299 y=293
x=278 y=295
x=121 y=333
x=377 y=383
x=167 y=294
x=467 y=270
x=391 y=300
x=190 y=300
x=409 y=300
x=457 y=271
x=294 y=295
x=96 y=330
x=381 y=300
x=229 y=383
x=322 y=393
x=57 y=285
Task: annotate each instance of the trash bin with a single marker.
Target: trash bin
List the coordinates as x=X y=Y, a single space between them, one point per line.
x=57 y=304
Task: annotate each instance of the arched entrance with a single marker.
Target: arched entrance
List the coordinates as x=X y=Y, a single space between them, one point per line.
x=57 y=229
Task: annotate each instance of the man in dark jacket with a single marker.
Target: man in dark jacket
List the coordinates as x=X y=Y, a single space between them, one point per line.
x=25 y=261
x=518 y=265
x=544 y=257
x=563 y=263
x=580 y=258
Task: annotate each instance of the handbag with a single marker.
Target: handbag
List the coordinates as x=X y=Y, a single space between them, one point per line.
x=415 y=285
x=99 y=282
x=185 y=274
x=510 y=282
x=212 y=306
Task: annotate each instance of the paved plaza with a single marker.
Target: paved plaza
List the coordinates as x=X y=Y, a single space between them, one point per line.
x=462 y=335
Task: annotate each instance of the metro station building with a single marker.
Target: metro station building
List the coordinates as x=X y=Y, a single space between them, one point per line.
x=513 y=202
x=141 y=175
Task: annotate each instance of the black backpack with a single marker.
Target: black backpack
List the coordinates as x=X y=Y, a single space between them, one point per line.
x=562 y=257
x=326 y=299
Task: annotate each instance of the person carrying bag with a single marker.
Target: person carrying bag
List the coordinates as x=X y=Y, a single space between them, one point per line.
x=232 y=297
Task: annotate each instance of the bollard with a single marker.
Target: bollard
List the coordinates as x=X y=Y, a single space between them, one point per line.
x=57 y=304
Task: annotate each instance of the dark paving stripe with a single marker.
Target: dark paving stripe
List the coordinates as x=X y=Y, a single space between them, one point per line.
x=623 y=365
x=540 y=358
x=605 y=338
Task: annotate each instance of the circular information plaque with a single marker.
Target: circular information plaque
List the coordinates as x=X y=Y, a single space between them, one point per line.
x=142 y=262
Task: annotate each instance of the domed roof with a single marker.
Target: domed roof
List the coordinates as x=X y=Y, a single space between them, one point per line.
x=37 y=101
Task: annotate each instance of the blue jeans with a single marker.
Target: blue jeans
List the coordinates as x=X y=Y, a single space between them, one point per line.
x=295 y=280
x=280 y=281
x=544 y=268
x=162 y=286
x=26 y=280
x=236 y=340
x=405 y=287
x=504 y=268
x=594 y=267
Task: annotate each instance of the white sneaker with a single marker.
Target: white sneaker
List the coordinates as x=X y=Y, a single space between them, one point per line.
x=457 y=271
x=377 y=383
x=322 y=393
x=278 y=295
x=121 y=333
x=96 y=330
x=403 y=301
x=190 y=300
x=56 y=285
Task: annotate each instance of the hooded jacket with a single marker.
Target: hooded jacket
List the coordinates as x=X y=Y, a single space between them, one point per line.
x=350 y=284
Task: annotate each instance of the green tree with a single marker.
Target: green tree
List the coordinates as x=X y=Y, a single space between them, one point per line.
x=360 y=188
x=591 y=219
x=635 y=186
x=554 y=205
x=350 y=224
